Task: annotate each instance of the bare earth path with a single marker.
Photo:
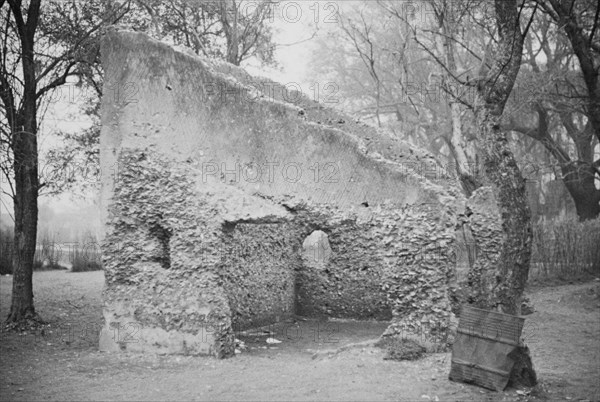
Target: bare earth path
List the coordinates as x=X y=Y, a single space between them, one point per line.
x=63 y=363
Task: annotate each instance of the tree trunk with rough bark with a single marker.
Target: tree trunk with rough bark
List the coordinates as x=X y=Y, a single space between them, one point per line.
x=26 y=215
x=506 y=281
x=499 y=165
x=23 y=128
x=579 y=179
x=500 y=168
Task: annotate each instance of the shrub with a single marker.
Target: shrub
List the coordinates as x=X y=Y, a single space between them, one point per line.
x=563 y=249
x=47 y=254
x=87 y=257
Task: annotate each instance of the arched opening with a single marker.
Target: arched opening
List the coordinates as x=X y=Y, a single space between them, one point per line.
x=316 y=251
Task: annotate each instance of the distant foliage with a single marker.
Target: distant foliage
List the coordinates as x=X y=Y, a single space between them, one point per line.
x=87 y=257
x=563 y=249
x=47 y=254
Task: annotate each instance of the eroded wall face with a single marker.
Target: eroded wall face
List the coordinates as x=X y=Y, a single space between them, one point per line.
x=163 y=291
x=257 y=268
x=340 y=279
x=484 y=238
x=210 y=195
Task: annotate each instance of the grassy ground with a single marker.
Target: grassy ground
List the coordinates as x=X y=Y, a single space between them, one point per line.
x=63 y=362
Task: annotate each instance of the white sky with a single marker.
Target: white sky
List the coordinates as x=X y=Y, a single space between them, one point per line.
x=294 y=23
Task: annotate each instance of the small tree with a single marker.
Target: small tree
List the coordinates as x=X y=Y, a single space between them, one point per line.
x=41 y=47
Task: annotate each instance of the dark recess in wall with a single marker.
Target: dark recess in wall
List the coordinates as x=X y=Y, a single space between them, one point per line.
x=164 y=238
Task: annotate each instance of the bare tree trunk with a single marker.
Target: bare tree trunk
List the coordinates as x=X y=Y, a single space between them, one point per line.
x=26 y=214
x=507 y=280
x=445 y=44
x=504 y=283
x=378 y=104
x=580 y=175
x=468 y=180
x=230 y=26
x=24 y=131
x=154 y=25
x=579 y=180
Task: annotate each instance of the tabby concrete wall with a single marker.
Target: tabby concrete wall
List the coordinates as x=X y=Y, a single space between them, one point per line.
x=211 y=187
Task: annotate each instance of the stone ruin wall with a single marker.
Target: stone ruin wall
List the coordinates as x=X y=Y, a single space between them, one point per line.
x=227 y=206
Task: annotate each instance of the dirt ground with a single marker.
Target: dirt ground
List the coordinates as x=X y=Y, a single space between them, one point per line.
x=62 y=362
